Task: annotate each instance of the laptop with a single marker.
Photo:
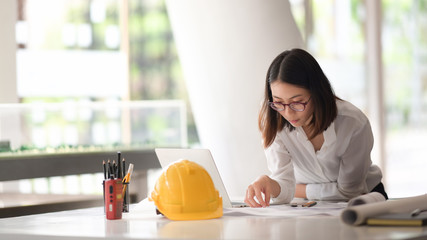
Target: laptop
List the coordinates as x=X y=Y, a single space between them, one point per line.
x=202 y=157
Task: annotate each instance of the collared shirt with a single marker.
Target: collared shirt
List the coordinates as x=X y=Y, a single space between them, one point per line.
x=340 y=170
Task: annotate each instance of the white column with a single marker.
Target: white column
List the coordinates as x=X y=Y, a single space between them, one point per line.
x=9 y=123
x=375 y=81
x=225 y=48
x=8 y=46
x=8 y=90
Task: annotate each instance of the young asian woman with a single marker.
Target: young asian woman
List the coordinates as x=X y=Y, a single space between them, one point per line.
x=317 y=145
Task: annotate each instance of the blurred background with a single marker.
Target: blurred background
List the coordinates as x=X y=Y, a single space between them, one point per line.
x=80 y=74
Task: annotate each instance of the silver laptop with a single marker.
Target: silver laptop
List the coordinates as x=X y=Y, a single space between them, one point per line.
x=203 y=157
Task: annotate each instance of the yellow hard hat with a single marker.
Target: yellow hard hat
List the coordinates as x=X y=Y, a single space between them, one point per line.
x=185 y=191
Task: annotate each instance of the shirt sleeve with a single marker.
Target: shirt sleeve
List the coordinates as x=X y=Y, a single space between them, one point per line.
x=281 y=168
x=354 y=150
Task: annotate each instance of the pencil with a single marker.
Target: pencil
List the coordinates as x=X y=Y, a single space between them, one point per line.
x=112 y=169
x=109 y=169
x=124 y=168
x=105 y=169
x=119 y=165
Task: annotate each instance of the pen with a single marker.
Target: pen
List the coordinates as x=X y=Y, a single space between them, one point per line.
x=416 y=212
x=126 y=179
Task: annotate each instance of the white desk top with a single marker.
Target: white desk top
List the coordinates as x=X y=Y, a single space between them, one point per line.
x=276 y=222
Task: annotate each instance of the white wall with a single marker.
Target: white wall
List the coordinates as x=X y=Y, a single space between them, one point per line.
x=225 y=48
x=8 y=16
x=8 y=93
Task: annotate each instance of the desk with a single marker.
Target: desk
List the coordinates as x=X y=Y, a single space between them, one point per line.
x=26 y=166
x=143 y=223
x=19 y=204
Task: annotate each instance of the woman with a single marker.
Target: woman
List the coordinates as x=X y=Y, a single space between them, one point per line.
x=317 y=145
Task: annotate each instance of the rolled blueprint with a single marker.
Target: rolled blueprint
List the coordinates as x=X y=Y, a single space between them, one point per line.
x=357 y=215
x=366 y=198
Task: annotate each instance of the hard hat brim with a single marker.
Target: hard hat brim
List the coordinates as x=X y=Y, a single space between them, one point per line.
x=196 y=215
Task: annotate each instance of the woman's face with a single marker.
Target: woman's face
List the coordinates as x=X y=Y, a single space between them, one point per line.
x=287 y=93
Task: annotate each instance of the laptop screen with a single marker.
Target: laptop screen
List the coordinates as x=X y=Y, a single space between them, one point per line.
x=203 y=157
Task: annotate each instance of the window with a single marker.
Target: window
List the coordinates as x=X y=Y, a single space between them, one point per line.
x=335 y=33
x=97 y=53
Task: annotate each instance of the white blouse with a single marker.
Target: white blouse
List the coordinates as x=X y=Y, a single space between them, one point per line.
x=340 y=170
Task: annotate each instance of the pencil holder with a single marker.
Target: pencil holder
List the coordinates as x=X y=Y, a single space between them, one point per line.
x=103 y=193
x=113 y=198
x=126 y=200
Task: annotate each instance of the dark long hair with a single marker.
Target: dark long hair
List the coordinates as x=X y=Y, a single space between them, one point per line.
x=299 y=68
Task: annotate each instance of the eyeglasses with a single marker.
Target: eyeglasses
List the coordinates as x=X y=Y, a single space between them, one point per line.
x=296 y=106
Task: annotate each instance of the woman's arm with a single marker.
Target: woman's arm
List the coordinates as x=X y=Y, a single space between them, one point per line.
x=300 y=191
x=280 y=185
x=354 y=145
x=282 y=170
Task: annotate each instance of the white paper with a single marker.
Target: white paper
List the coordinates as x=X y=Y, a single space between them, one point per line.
x=147 y=209
x=357 y=215
x=285 y=210
x=366 y=198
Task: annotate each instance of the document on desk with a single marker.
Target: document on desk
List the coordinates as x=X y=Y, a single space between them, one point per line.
x=357 y=215
x=145 y=208
x=287 y=211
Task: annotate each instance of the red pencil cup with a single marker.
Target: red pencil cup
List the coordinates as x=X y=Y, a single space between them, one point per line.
x=113 y=198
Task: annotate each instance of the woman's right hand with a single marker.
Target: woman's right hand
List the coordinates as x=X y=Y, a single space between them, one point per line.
x=262 y=187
